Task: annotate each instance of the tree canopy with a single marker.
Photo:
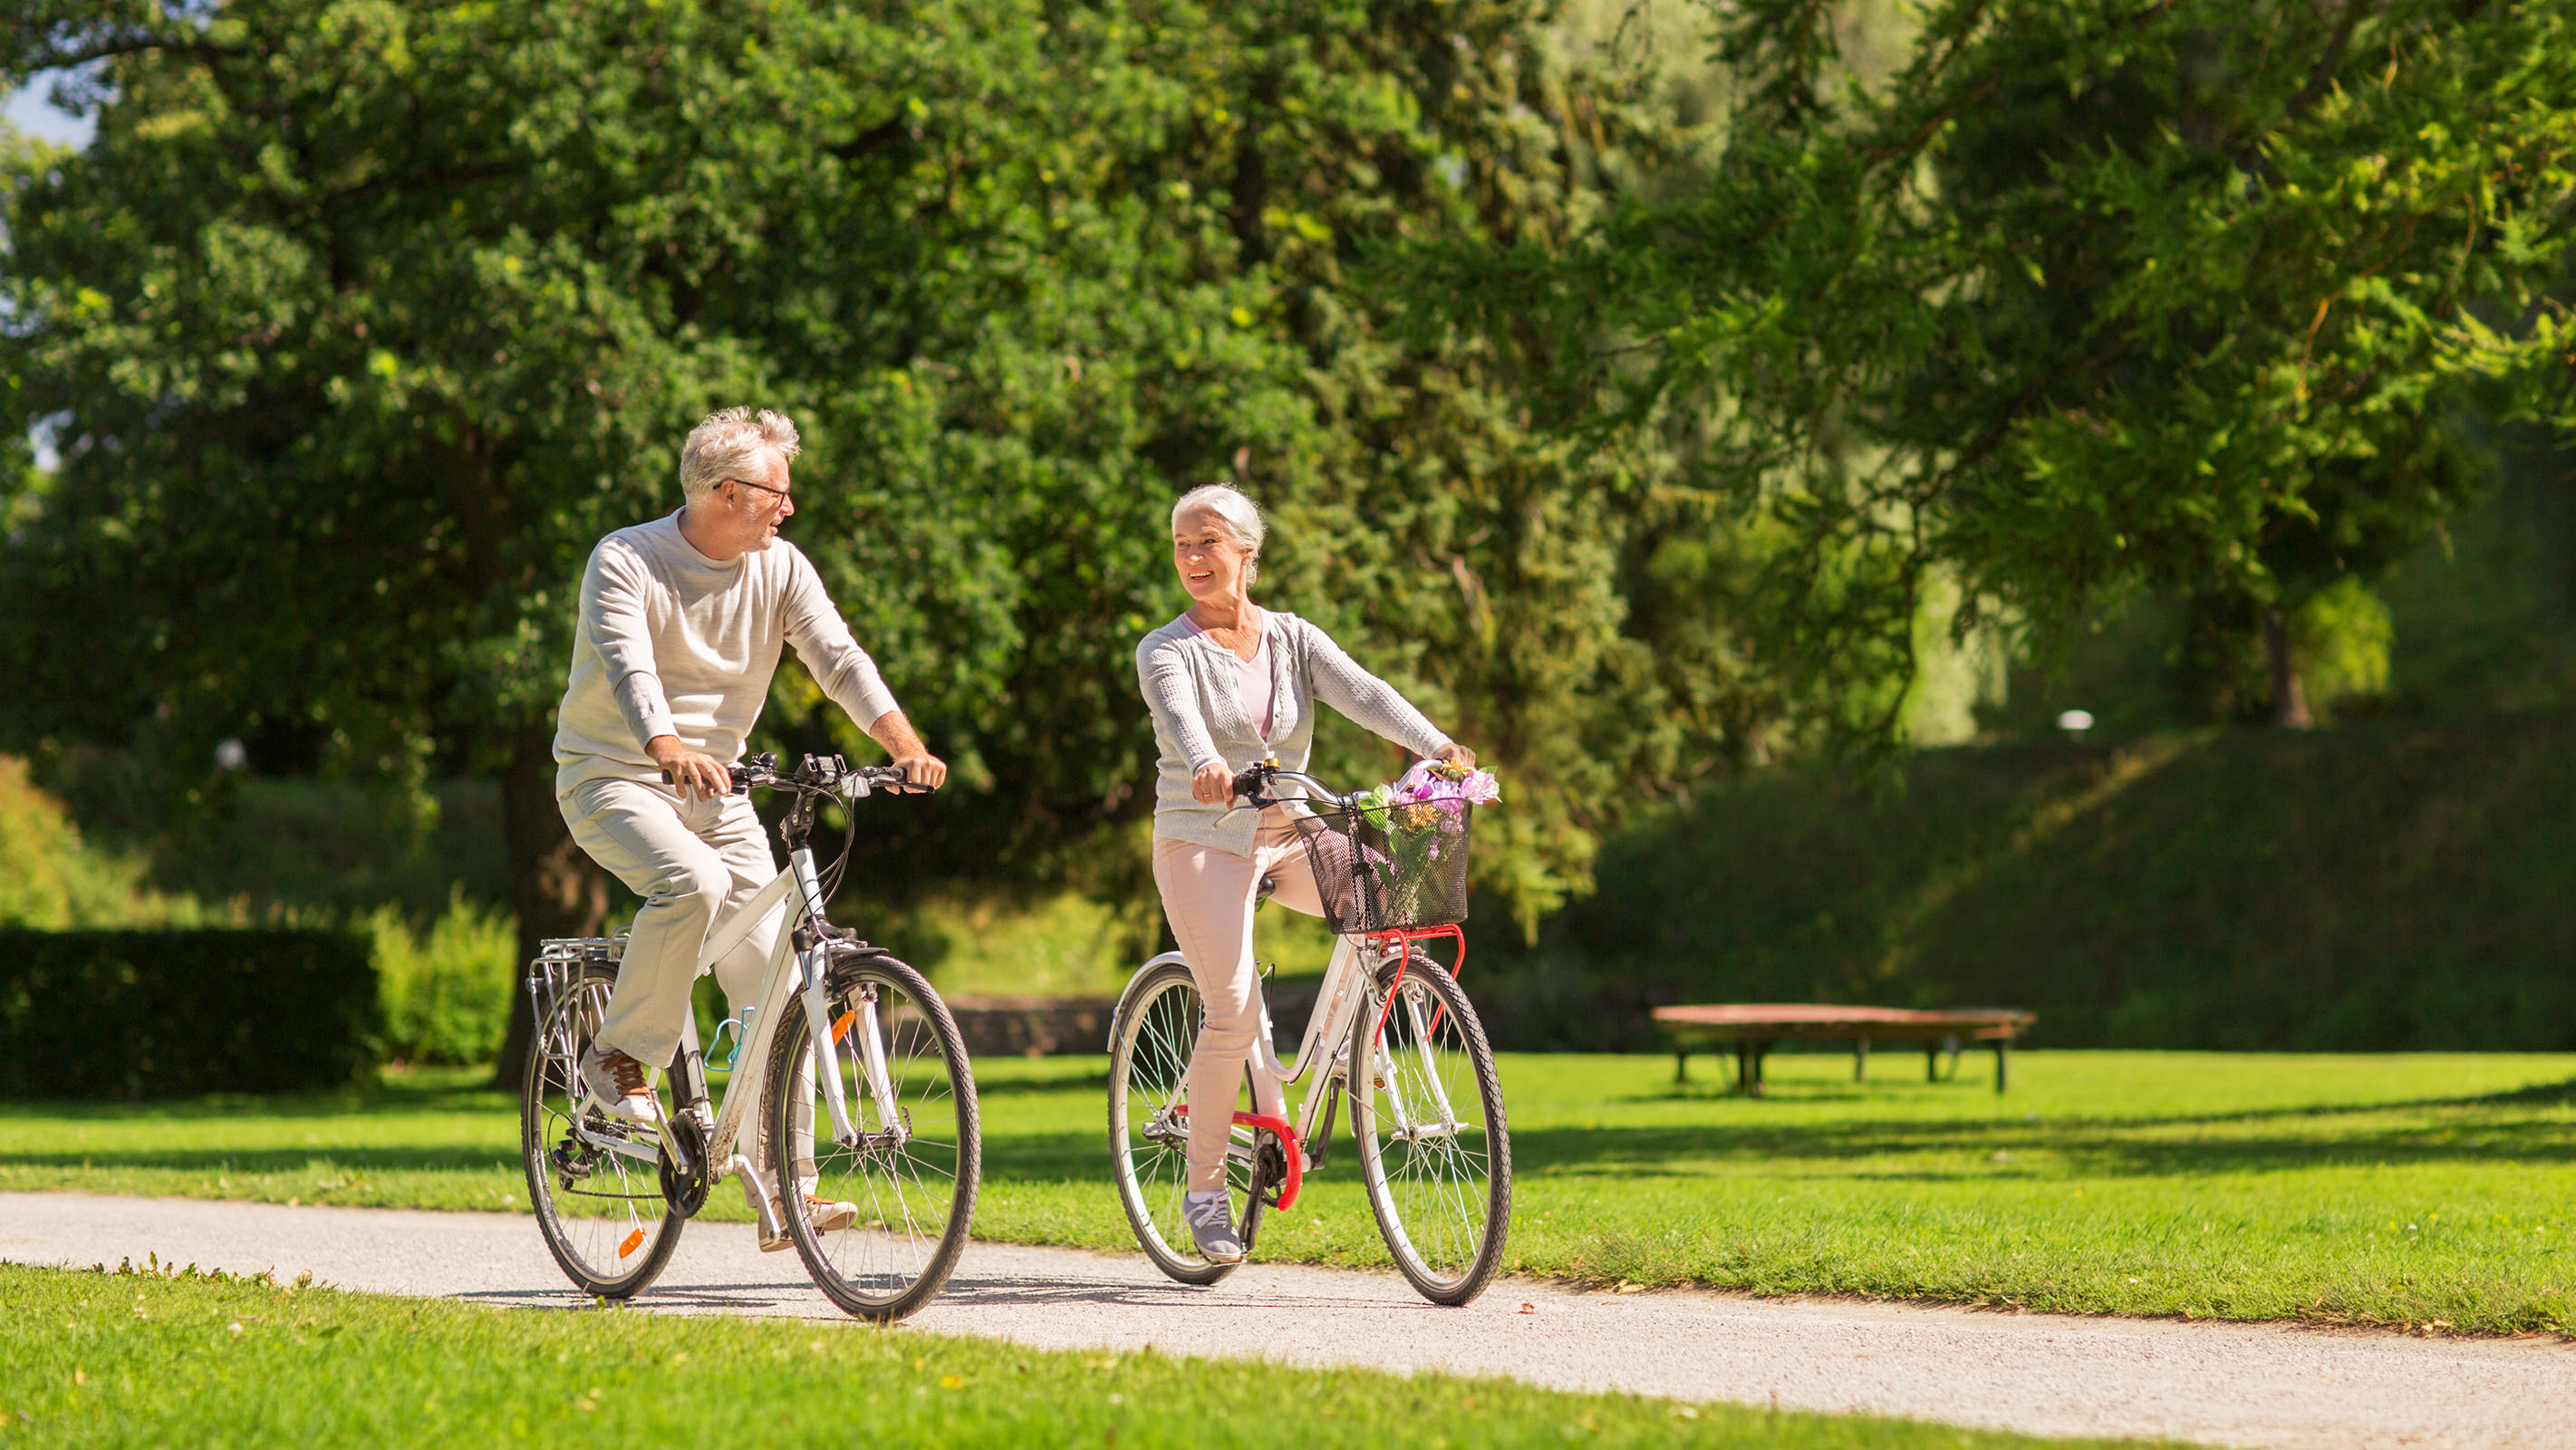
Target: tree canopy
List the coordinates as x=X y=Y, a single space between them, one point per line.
x=2077 y=299
x=1628 y=448
x=360 y=321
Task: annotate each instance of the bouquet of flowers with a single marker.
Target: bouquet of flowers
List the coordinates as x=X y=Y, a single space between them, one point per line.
x=1411 y=811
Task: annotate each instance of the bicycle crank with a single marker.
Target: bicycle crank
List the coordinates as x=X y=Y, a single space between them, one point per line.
x=686 y=1192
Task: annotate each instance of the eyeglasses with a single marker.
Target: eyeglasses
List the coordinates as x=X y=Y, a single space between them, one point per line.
x=747 y=483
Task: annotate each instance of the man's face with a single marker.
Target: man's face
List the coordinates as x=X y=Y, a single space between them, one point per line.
x=760 y=510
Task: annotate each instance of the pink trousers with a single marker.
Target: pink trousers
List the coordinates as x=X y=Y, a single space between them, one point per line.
x=1208 y=897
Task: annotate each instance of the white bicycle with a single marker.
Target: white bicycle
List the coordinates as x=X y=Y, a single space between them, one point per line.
x=1389 y=1024
x=843 y=1035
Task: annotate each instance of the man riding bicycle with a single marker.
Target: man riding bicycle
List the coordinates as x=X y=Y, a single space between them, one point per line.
x=682 y=622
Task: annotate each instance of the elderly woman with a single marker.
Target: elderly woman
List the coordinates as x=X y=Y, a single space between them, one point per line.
x=1231 y=684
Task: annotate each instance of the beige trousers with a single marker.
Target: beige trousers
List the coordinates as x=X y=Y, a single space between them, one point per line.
x=1208 y=897
x=693 y=862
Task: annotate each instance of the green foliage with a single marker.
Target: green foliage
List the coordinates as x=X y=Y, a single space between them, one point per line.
x=46 y=879
x=2077 y=301
x=360 y=322
x=134 y=1014
x=446 y=992
x=2385 y=885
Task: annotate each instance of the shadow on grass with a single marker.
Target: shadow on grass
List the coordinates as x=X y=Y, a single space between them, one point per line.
x=1807 y=1093
x=2127 y=1150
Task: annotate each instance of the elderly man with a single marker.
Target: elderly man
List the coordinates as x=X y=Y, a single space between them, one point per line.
x=682 y=620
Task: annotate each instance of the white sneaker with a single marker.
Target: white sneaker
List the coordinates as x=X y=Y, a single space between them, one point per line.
x=825 y=1215
x=618 y=1086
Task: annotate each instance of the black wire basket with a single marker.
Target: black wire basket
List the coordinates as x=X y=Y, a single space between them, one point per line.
x=1390 y=870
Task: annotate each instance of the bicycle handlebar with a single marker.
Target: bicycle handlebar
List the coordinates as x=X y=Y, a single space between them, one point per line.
x=819 y=775
x=1253 y=784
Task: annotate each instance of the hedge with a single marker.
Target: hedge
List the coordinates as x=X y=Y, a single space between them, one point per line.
x=136 y=1014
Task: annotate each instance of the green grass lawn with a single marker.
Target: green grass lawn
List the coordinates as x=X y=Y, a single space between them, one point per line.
x=144 y=1359
x=2425 y=1190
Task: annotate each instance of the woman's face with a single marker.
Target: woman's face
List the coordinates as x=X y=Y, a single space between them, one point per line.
x=1207 y=556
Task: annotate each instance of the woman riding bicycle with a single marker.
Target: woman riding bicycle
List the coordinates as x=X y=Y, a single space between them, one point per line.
x=1229 y=685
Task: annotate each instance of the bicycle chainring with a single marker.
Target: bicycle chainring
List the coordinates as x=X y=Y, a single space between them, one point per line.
x=1269 y=1170
x=686 y=1193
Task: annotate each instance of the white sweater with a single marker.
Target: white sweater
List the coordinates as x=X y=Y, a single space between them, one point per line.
x=1192 y=689
x=672 y=642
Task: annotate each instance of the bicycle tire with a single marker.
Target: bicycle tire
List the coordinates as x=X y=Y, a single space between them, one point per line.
x=899 y=1252
x=579 y=1225
x=1447 y=1263
x=1149 y=1056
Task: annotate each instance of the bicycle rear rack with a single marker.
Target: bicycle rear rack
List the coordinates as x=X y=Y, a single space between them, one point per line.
x=557 y=959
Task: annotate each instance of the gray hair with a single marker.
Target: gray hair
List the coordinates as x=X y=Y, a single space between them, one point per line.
x=730 y=443
x=1241 y=517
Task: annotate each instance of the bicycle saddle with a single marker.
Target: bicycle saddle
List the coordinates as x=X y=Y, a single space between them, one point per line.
x=1262 y=892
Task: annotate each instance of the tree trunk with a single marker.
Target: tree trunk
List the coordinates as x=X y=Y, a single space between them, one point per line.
x=555 y=888
x=2289 y=696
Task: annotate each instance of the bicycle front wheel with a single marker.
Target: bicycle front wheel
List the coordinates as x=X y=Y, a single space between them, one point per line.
x=602 y=1212
x=1149 y=1131
x=1435 y=1152
x=915 y=1159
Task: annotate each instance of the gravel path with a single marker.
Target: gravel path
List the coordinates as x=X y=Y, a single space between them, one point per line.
x=2226 y=1384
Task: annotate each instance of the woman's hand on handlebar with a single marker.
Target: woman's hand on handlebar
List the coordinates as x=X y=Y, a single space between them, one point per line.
x=1456 y=754
x=1213 y=785
x=692 y=773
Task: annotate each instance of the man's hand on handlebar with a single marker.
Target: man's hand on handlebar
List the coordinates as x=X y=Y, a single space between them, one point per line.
x=919 y=766
x=692 y=773
x=922 y=769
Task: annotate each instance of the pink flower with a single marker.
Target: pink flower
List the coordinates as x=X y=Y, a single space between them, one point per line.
x=1432 y=783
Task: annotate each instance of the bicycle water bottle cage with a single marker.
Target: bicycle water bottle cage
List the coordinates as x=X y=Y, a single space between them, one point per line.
x=741 y=1027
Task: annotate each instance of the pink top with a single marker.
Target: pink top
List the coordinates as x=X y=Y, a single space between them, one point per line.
x=1252 y=678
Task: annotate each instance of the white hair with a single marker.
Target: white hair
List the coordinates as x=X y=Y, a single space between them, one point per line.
x=1240 y=516
x=731 y=443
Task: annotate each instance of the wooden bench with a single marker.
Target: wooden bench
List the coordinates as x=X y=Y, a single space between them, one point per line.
x=1754 y=1028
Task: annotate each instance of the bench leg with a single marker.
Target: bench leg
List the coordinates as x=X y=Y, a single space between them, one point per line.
x=1931 y=1062
x=1745 y=1081
x=2002 y=1062
x=1681 y=1065
x=1860 y=1059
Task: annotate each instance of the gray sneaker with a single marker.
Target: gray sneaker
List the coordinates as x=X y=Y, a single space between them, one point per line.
x=617 y=1084
x=1212 y=1224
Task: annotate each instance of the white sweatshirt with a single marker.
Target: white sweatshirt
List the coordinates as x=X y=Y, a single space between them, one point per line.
x=672 y=642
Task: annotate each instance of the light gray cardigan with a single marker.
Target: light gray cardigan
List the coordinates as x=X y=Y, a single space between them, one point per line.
x=1191 y=687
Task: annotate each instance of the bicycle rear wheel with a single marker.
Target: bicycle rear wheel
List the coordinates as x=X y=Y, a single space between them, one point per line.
x=1435 y=1152
x=1149 y=1061
x=603 y=1214
x=918 y=1158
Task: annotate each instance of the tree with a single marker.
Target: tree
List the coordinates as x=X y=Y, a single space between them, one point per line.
x=2081 y=300
x=359 y=322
